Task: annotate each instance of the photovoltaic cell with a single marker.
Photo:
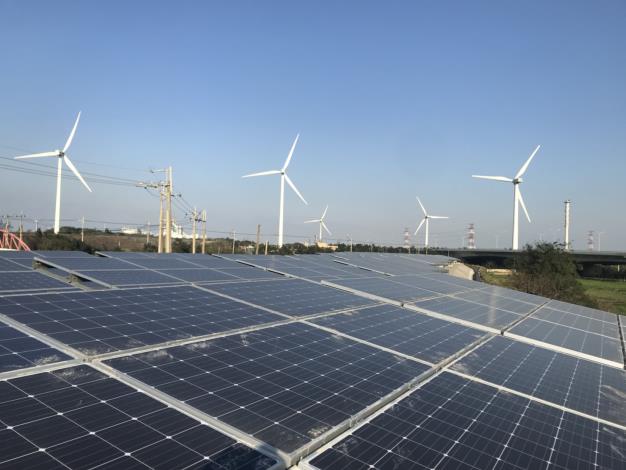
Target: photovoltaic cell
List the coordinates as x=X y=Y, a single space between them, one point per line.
x=7 y=265
x=423 y=337
x=104 y=321
x=79 y=418
x=496 y=301
x=86 y=264
x=249 y=273
x=570 y=338
x=199 y=275
x=451 y=422
x=28 y=281
x=18 y=351
x=480 y=314
x=292 y=296
x=574 y=383
x=580 y=310
x=285 y=385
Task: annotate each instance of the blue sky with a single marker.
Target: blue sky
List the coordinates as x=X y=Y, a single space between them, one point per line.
x=392 y=100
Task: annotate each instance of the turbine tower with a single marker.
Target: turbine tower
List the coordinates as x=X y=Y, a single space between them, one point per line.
x=426 y=218
x=283 y=177
x=62 y=157
x=321 y=222
x=517 y=195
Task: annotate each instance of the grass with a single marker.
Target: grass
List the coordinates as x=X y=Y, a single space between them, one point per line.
x=610 y=295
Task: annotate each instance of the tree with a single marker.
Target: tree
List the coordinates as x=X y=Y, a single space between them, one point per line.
x=548 y=270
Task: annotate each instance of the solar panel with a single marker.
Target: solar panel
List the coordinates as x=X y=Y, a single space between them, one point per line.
x=502 y=303
x=198 y=275
x=205 y=261
x=18 y=351
x=565 y=380
x=423 y=337
x=582 y=311
x=451 y=422
x=479 y=314
x=56 y=254
x=249 y=273
x=162 y=262
x=581 y=341
x=82 y=263
x=292 y=296
x=29 y=281
x=286 y=385
x=80 y=418
x=103 y=321
x=573 y=320
x=437 y=286
x=9 y=265
x=385 y=288
x=514 y=294
x=129 y=277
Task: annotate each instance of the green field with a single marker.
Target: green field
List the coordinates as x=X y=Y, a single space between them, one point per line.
x=610 y=295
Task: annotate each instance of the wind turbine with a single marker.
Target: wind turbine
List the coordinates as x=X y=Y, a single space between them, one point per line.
x=321 y=222
x=426 y=218
x=517 y=195
x=283 y=177
x=62 y=157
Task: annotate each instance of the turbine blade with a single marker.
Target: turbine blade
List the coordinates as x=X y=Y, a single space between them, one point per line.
x=324 y=214
x=419 y=226
x=295 y=190
x=421 y=205
x=75 y=171
x=312 y=221
x=71 y=137
x=262 y=173
x=326 y=228
x=293 y=147
x=38 y=155
x=524 y=167
x=495 y=178
x=521 y=201
x=438 y=217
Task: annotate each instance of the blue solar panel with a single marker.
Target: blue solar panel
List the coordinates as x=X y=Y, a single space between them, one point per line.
x=451 y=422
x=29 y=281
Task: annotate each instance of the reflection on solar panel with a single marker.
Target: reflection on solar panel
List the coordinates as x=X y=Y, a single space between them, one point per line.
x=581 y=341
x=565 y=380
x=292 y=296
x=18 y=350
x=103 y=321
x=285 y=385
x=452 y=422
x=80 y=418
x=426 y=338
x=29 y=281
x=470 y=312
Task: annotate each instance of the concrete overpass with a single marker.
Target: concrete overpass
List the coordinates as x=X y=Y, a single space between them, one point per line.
x=499 y=257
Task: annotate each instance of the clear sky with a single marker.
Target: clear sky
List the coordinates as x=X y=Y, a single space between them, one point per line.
x=392 y=100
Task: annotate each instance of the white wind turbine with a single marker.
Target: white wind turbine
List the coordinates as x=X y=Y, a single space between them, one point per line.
x=426 y=218
x=283 y=177
x=62 y=157
x=517 y=195
x=321 y=222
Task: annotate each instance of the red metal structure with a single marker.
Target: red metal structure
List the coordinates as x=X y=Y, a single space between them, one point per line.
x=9 y=241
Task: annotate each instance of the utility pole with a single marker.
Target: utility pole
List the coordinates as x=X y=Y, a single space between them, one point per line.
x=204 y=231
x=36 y=225
x=82 y=230
x=193 y=231
x=234 y=234
x=168 y=222
x=21 y=225
x=148 y=233
x=258 y=236
x=567 y=219
x=160 y=249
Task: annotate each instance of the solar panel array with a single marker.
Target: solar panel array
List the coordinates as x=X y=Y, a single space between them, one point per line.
x=350 y=361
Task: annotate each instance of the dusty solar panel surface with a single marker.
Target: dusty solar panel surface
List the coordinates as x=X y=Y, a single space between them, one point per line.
x=256 y=370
